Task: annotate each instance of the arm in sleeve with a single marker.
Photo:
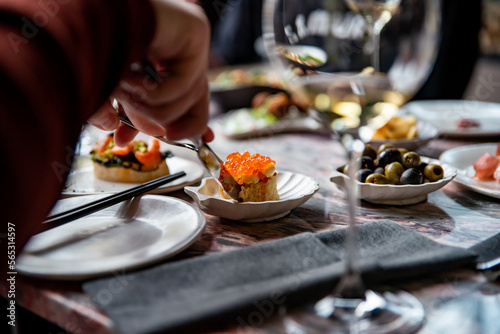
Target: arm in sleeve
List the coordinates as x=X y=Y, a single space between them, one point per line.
x=59 y=61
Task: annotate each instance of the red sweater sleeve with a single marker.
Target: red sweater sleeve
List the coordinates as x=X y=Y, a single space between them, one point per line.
x=59 y=61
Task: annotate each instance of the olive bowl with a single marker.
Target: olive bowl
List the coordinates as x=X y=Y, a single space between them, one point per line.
x=392 y=194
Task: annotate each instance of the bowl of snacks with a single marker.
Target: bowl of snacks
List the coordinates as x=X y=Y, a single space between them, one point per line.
x=395 y=176
x=404 y=131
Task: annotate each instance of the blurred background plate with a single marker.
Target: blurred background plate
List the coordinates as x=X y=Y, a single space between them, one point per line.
x=446 y=115
x=229 y=98
x=243 y=123
x=426 y=132
x=462 y=158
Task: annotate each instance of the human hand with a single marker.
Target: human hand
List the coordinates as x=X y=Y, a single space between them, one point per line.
x=174 y=104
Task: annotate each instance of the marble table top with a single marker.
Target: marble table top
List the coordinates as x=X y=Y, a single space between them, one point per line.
x=461 y=301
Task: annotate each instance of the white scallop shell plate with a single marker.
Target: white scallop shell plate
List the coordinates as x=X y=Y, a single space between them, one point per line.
x=391 y=194
x=293 y=189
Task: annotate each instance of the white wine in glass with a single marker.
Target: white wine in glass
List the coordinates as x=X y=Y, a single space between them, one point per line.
x=319 y=48
x=377 y=13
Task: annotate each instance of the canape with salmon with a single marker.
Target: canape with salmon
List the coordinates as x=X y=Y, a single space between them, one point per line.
x=137 y=162
x=256 y=175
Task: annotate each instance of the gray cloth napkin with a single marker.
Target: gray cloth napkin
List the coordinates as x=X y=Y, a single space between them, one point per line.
x=245 y=286
x=487 y=250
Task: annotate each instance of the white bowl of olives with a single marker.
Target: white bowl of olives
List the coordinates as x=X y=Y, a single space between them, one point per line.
x=395 y=176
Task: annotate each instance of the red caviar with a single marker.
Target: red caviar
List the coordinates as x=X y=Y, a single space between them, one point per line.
x=243 y=165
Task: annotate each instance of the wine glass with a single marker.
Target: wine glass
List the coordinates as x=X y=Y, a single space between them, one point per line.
x=320 y=49
x=377 y=13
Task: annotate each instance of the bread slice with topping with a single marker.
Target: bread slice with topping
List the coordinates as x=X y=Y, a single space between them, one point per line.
x=256 y=174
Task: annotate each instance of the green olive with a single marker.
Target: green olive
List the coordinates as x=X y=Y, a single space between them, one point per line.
x=411 y=160
x=393 y=172
x=402 y=150
x=362 y=174
x=384 y=147
x=433 y=172
x=377 y=179
x=370 y=152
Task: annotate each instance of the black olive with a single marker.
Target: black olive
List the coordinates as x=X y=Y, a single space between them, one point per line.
x=365 y=162
x=379 y=170
x=362 y=174
x=422 y=166
x=412 y=176
x=388 y=156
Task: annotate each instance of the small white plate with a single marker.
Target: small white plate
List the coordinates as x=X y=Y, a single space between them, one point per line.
x=445 y=115
x=240 y=124
x=426 y=132
x=392 y=194
x=294 y=190
x=81 y=180
x=124 y=236
x=462 y=158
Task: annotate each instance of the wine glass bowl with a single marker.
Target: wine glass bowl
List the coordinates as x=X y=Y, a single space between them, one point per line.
x=354 y=63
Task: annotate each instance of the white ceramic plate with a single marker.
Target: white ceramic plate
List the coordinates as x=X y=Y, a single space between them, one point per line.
x=125 y=236
x=391 y=194
x=294 y=190
x=445 y=114
x=240 y=124
x=82 y=181
x=426 y=132
x=462 y=159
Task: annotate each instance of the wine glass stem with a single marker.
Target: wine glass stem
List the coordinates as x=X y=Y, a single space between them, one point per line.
x=351 y=285
x=376 y=50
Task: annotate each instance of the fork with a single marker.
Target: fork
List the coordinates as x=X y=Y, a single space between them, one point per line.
x=207 y=156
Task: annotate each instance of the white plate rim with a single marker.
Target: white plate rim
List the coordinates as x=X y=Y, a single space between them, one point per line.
x=465 y=180
x=426 y=133
x=192 y=176
x=41 y=272
x=490 y=107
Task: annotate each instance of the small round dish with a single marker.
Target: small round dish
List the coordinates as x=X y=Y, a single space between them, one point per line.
x=426 y=132
x=391 y=194
x=446 y=114
x=294 y=190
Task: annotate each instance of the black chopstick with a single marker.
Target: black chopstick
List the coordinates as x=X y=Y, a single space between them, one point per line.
x=86 y=209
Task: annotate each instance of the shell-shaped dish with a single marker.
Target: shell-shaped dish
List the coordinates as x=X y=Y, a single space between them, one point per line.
x=294 y=190
x=391 y=194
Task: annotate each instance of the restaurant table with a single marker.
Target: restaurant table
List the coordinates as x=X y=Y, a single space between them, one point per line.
x=458 y=301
